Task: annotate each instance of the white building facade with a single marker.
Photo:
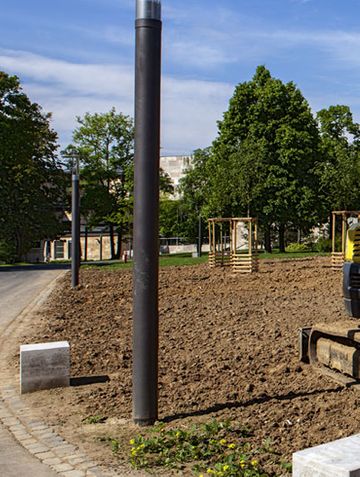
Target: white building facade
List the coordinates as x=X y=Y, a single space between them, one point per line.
x=176 y=167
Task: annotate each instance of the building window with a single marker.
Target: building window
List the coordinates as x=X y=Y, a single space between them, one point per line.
x=59 y=249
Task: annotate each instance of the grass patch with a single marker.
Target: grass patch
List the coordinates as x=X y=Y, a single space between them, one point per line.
x=212 y=449
x=17 y=264
x=183 y=259
x=276 y=255
x=186 y=259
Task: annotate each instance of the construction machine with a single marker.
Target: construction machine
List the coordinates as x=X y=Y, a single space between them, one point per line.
x=335 y=348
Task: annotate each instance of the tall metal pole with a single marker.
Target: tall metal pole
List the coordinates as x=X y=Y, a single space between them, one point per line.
x=199 y=236
x=146 y=211
x=75 y=227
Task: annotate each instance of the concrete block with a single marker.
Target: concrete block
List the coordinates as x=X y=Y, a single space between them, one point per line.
x=44 y=366
x=340 y=458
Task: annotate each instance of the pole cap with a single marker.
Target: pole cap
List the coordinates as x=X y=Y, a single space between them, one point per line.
x=148 y=9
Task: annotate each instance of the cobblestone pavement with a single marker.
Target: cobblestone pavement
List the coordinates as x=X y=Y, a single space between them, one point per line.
x=53 y=455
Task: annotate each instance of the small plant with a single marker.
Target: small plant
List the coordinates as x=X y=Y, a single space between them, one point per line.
x=115 y=445
x=94 y=420
x=287 y=466
x=267 y=446
x=213 y=449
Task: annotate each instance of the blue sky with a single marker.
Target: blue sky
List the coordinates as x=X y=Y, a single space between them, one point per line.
x=78 y=56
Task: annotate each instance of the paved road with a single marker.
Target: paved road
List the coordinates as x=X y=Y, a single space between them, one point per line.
x=17 y=290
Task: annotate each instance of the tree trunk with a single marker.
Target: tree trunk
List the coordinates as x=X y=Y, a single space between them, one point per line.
x=267 y=239
x=282 y=238
x=19 y=247
x=112 y=242
x=86 y=244
x=119 y=245
x=101 y=248
x=199 y=240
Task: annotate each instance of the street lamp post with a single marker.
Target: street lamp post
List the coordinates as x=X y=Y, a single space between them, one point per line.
x=146 y=211
x=75 y=226
x=199 y=236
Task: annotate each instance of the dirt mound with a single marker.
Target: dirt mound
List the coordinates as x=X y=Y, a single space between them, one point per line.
x=228 y=349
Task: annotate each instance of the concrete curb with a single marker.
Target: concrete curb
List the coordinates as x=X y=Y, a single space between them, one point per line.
x=35 y=435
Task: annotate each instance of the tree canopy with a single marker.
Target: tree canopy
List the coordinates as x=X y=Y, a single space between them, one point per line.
x=339 y=168
x=193 y=190
x=263 y=160
x=274 y=160
x=32 y=184
x=104 y=145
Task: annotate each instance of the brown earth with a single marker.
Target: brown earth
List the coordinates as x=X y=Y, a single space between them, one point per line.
x=228 y=349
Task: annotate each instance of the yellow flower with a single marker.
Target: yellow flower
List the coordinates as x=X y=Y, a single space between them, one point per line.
x=226 y=467
x=222 y=442
x=178 y=434
x=133 y=451
x=132 y=441
x=201 y=475
x=254 y=463
x=210 y=471
x=231 y=446
x=242 y=463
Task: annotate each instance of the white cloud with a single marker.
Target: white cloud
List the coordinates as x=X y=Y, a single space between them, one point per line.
x=202 y=55
x=237 y=38
x=341 y=47
x=190 y=108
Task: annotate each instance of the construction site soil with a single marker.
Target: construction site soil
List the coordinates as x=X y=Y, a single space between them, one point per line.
x=228 y=350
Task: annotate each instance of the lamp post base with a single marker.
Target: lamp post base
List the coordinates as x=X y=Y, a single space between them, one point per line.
x=144 y=422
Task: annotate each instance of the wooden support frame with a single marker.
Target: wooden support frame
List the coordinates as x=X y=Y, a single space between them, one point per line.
x=220 y=253
x=338 y=256
x=241 y=259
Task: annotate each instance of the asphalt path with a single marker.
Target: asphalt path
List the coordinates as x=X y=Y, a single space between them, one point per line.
x=18 y=288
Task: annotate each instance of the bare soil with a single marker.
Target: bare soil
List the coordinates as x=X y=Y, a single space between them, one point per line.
x=228 y=350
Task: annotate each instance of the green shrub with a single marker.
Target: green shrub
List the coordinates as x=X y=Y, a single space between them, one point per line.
x=298 y=247
x=324 y=245
x=7 y=252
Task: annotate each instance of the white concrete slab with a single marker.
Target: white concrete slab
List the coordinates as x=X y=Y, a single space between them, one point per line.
x=44 y=366
x=340 y=458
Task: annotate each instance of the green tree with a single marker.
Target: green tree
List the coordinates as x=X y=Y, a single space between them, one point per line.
x=265 y=155
x=169 y=225
x=339 y=170
x=104 y=144
x=166 y=184
x=32 y=184
x=193 y=189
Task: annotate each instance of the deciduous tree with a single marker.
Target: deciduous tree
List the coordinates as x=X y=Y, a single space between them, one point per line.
x=339 y=169
x=32 y=183
x=264 y=157
x=193 y=204
x=104 y=144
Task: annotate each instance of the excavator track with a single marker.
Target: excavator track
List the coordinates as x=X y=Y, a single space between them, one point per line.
x=334 y=349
